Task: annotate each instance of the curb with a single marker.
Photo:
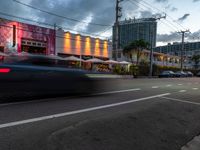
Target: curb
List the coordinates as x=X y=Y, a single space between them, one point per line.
x=192 y=145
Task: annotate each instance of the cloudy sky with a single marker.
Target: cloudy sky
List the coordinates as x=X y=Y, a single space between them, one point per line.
x=95 y=17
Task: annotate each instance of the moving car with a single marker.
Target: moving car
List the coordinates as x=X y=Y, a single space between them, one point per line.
x=166 y=74
x=39 y=76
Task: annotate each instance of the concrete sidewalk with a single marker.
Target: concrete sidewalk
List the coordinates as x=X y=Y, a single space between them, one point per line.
x=112 y=76
x=192 y=145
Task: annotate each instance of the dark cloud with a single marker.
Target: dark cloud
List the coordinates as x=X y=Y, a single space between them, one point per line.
x=8 y=6
x=165 y=38
x=161 y=1
x=174 y=9
x=171 y=8
x=146 y=14
x=99 y=12
x=193 y=36
x=196 y=1
x=184 y=17
x=176 y=37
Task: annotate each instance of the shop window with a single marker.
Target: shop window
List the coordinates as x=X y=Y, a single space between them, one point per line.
x=24 y=42
x=1 y=48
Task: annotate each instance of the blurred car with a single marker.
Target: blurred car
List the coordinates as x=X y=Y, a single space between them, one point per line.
x=167 y=74
x=198 y=74
x=189 y=74
x=180 y=74
x=40 y=75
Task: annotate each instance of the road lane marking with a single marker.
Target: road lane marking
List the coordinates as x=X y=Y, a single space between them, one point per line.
x=11 y=124
x=44 y=100
x=195 y=88
x=169 y=85
x=180 y=84
x=182 y=91
x=155 y=87
x=179 y=100
x=115 y=92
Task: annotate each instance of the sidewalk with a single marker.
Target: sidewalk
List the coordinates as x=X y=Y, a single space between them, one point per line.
x=110 y=76
x=192 y=145
x=113 y=76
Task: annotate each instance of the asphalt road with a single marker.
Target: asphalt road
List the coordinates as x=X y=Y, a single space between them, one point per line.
x=125 y=114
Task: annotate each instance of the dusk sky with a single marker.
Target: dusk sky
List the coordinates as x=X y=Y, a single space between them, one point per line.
x=182 y=15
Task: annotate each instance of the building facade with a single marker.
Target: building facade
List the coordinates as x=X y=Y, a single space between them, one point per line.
x=190 y=49
x=19 y=37
x=134 y=29
x=68 y=44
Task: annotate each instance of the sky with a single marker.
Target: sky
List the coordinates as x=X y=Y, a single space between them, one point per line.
x=96 y=17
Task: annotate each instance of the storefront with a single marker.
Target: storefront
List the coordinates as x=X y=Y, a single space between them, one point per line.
x=19 y=37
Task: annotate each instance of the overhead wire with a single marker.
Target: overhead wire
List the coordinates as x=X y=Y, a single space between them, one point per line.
x=57 y=15
x=49 y=25
x=168 y=25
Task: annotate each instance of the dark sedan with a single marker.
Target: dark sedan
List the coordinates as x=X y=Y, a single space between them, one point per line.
x=166 y=74
x=23 y=76
x=180 y=74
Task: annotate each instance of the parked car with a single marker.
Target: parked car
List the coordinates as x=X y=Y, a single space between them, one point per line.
x=198 y=74
x=167 y=74
x=180 y=74
x=189 y=74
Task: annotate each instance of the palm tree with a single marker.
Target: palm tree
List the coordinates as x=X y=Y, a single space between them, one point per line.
x=196 y=60
x=136 y=46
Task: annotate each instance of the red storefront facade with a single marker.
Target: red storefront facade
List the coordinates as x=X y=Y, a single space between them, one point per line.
x=16 y=36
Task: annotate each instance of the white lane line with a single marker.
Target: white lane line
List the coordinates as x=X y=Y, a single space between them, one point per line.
x=179 y=100
x=182 y=91
x=169 y=85
x=44 y=100
x=115 y=92
x=180 y=84
x=155 y=87
x=11 y=124
x=195 y=88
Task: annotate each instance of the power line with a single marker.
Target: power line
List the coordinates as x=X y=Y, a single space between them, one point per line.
x=54 y=14
x=163 y=12
x=48 y=24
x=148 y=7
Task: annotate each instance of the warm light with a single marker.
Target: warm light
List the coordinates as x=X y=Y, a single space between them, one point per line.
x=105 y=49
x=4 y=70
x=161 y=58
x=67 y=43
x=88 y=46
x=78 y=44
x=97 y=47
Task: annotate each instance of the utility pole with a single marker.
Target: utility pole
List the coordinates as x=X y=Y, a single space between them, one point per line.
x=151 y=53
x=118 y=15
x=182 y=48
x=55 y=27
